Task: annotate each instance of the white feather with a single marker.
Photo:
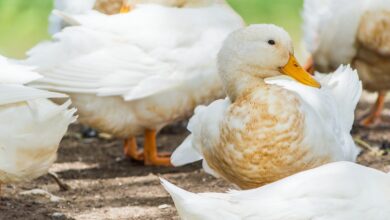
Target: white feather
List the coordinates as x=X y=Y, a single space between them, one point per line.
x=31 y=126
x=336 y=191
x=330 y=28
x=57 y=21
x=128 y=72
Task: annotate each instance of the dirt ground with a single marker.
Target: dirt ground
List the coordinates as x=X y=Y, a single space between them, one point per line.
x=105 y=185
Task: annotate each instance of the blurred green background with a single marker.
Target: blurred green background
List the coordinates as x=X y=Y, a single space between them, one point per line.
x=23 y=23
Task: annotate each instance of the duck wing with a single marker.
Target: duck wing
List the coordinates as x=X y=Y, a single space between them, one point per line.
x=134 y=55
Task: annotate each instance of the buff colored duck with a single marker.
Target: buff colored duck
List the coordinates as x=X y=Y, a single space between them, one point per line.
x=31 y=125
x=133 y=73
x=276 y=121
x=356 y=32
x=336 y=191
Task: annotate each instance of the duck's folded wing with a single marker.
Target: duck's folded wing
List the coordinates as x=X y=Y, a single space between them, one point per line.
x=19 y=93
x=13 y=73
x=330 y=110
x=118 y=70
x=134 y=55
x=69 y=44
x=346 y=88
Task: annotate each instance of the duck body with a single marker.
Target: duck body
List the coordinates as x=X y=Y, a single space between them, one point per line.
x=142 y=70
x=31 y=125
x=336 y=191
x=342 y=32
x=273 y=128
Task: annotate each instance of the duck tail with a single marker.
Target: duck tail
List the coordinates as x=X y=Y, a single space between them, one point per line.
x=178 y=195
x=185 y=153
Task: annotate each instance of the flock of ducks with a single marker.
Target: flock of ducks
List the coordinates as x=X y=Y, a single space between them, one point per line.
x=281 y=135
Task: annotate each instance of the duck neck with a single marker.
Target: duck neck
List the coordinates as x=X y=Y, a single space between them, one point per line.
x=242 y=80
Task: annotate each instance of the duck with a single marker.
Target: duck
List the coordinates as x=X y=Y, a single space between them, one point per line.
x=334 y=191
x=31 y=125
x=357 y=33
x=277 y=119
x=133 y=73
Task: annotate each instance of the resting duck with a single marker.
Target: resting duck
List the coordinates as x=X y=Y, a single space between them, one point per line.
x=277 y=119
x=134 y=73
x=31 y=125
x=336 y=191
x=357 y=32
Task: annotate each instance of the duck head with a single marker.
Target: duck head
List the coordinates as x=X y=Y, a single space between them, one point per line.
x=251 y=54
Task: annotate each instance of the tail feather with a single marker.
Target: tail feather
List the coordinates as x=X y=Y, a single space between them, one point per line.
x=185 y=153
x=210 y=206
x=178 y=194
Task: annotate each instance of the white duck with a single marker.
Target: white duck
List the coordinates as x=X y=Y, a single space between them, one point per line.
x=134 y=73
x=31 y=126
x=271 y=126
x=336 y=191
x=357 y=32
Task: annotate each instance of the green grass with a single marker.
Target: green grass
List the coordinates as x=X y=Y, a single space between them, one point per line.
x=285 y=13
x=23 y=23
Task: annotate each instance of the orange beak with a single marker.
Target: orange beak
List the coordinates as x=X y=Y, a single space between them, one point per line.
x=126 y=7
x=296 y=71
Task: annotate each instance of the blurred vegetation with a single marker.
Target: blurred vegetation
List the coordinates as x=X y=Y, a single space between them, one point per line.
x=23 y=23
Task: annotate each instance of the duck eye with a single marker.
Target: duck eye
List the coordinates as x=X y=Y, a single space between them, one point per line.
x=271 y=42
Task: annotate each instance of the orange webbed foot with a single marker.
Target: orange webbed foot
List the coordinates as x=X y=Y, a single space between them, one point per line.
x=374 y=117
x=130 y=149
x=152 y=157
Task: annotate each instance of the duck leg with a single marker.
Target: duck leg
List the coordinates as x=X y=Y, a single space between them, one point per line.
x=376 y=111
x=150 y=151
x=130 y=149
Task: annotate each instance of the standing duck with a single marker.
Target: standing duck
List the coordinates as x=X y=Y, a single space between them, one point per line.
x=31 y=125
x=134 y=73
x=277 y=119
x=336 y=191
x=357 y=32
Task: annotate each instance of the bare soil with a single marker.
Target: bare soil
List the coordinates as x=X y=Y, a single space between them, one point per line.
x=105 y=185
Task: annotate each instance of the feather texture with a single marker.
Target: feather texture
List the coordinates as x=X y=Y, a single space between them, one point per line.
x=143 y=64
x=336 y=191
x=31 y=126
x=331 y=29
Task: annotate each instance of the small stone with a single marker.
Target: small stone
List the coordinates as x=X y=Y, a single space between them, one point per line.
x=105 y=136
x=89 y=133
x=58 y=216
x=164 y=206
